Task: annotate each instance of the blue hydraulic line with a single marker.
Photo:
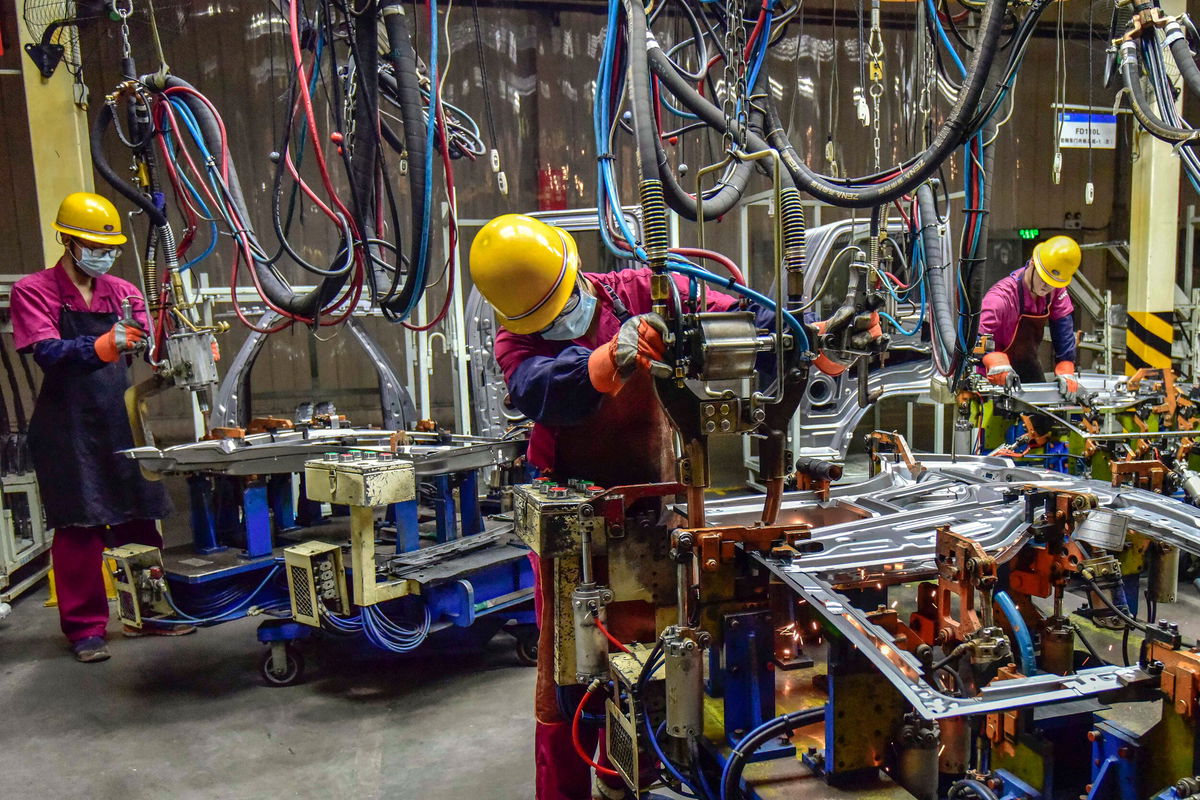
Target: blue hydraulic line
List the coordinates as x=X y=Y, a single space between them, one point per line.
x=385 y=634
x=729 y=761
x=188 y=619
x=676 y=111
x=1020 y=631
x=937 y=23
x=422 y=262
x=605 y=184
x=684 y=268
x=761 y=56
x=666 y=762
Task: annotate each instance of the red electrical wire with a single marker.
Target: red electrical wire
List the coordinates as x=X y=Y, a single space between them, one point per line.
x=310 y=116
x=612 y=773
x=758 y=26
x=723 y=260
x=604 y=629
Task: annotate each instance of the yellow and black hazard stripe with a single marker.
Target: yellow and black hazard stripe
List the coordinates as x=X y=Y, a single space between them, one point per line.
x=1148 y=337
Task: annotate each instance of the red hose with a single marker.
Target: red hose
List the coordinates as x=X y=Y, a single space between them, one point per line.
x=604 y=629
x=723 y=260
x=612 y=773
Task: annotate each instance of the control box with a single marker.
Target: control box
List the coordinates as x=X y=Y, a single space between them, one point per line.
x=316 y=576
x=140 y=582
x=364 y=479
x=548 y=518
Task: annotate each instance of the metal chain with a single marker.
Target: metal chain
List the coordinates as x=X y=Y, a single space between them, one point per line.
x=875 y=48
x=124 y=11
x=735 y=74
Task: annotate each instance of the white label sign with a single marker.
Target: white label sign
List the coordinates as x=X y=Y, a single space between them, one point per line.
x=1076 y=129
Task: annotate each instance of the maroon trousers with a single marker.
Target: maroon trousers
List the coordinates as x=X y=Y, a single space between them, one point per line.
x=77 y=555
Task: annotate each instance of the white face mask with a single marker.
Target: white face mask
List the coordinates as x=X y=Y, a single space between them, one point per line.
x=96 y=262
x=575 y=323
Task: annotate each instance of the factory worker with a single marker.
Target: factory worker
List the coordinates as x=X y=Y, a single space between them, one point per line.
x=1015 y=313
x=69 y=317
x=576 y=350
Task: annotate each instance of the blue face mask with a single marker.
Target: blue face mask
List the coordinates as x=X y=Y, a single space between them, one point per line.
x=96 y=262
x=574 y=323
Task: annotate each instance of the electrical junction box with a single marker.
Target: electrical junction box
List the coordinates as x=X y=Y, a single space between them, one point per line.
x=140 y=582
x=366 y=480
x=548 y=519
x=316 y=576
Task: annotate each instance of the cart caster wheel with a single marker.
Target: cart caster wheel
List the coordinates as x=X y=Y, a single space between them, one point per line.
x=293 y=671
x=527 y=651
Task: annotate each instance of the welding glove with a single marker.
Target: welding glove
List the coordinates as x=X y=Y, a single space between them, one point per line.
x=1068 y=384
x=1000 y=372
x=638 y=345
x=124 y=337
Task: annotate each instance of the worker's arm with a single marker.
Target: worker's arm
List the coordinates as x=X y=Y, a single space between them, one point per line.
x=80 y=350
x=1062 y=326
x=549 y=388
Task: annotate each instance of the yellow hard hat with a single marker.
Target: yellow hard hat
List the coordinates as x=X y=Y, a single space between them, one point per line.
x=1056 y=260
x=90 y=217
x=526 y=269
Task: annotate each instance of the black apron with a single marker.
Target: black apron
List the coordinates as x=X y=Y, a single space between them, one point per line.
x=79 y=423
x=1022 y=351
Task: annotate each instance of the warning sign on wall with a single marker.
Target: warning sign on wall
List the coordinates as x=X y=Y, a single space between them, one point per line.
x=1076 y=129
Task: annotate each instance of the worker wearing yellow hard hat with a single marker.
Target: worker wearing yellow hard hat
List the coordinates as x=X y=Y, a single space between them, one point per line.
x=577 y=350
x=1016 y=311
x=80 y=323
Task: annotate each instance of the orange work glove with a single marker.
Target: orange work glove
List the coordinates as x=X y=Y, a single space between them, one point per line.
x=123 y=337
x=1068 y=384
x=638 y=345
x=216 y=350
x=1000 y=371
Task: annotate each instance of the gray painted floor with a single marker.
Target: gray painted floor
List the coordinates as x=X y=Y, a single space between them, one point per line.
x=189 y=717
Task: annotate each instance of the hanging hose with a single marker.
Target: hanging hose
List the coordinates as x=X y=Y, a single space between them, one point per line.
x=941 y=282
x=274 y=287
x=1140 y=104
x=99 y=127
x=401 y=55
x=1176 y=39
x=954 y=131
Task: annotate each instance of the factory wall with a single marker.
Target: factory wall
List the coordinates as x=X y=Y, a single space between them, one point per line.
x=541 y=62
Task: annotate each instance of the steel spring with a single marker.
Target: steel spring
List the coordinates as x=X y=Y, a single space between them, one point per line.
x=792 y=211
x=654 y=221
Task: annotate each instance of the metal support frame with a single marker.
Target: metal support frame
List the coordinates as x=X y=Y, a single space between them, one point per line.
x=231 y=407
x=1153 y=242
x=748 y=680
x=256 y=516
x=20 y=547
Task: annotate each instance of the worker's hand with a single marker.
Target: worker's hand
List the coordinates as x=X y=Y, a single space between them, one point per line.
x=125 y=336
x=638 y=345
x=1068 y=384
x=216 y=350
x=1000 y=372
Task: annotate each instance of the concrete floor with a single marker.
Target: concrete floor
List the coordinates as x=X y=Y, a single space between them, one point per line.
x=189 y=717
